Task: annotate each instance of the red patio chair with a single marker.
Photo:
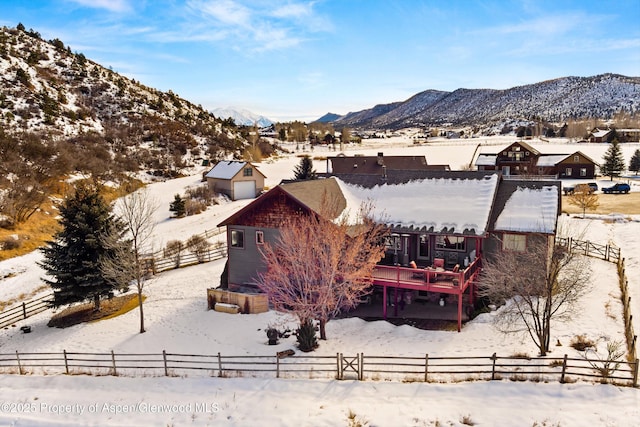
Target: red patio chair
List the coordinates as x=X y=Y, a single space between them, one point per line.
x=438 y=263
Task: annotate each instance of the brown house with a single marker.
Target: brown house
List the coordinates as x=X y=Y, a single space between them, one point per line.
x=521 y=158
x=379 y=165
x=236 y=179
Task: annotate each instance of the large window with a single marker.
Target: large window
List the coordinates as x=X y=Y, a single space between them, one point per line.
x=237 y=239
x=514 y=242
x=583 y=171
x=450 y=243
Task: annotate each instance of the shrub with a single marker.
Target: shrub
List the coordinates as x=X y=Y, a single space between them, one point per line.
x=198 y=246
x=306 y=334
x=173 y=250
x=581 y=343
x=9 y=244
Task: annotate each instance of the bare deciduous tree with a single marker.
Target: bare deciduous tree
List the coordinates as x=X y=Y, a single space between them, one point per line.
x=584 y=198
x=537 y=286
x=129 y=265
x=318 y=268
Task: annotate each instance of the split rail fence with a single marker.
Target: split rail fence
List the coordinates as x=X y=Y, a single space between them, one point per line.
x=342 y=367
x=156 y=263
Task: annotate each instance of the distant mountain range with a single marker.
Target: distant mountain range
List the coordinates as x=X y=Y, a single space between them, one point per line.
x=557 y=100
x=242 y=117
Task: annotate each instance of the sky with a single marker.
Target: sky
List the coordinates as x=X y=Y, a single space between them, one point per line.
x=299 y=59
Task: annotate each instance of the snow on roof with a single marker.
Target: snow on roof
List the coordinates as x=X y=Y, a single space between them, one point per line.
x=600 y=132
x=530 y=210
x=551 y=160
x=225 y=169
x=459 y=205
x=486 y=160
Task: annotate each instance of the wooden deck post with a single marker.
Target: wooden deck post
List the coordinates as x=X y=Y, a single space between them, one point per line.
x=384 y=302
x=459 y=310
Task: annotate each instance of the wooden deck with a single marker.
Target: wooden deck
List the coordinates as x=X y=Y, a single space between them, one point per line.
x=444 y=282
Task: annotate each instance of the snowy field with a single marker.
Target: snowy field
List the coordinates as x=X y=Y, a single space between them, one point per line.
x=178 y=321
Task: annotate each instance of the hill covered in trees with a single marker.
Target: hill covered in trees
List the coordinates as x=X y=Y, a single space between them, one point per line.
x=99 y=120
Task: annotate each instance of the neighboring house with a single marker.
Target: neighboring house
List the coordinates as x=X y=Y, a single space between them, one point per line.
x=599 y=135
x=458 y=217
x=576 y=165
x=518 y=158
x=236 y=179
x=378 y=165
x=522 y=159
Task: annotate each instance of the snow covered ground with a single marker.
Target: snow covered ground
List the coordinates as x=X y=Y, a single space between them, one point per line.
x=177 y=321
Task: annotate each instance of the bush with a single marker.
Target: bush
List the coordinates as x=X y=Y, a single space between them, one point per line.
x=581 y=343
x=306 y=334
x=199 y=246
x=173 y=250
x=9 y=244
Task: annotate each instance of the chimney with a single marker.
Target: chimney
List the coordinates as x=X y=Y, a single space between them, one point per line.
x=380 y=159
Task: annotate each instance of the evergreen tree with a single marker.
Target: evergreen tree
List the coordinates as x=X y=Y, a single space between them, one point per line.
x=305 y=169
x=178 y=206
x=634 y=164
x=613 y=161
x=72 y=259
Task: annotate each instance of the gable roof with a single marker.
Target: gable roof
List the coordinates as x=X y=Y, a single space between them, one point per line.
x=447 y=205
x=527 y=206
x=554 y=159
x=486 y=160
x=227 y=169
x=376 y=164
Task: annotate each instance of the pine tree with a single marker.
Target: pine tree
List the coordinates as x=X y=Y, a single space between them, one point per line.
x=305 y=169
x=72 y=259
x=613 y=164
x=634 y=164
x=178 y=206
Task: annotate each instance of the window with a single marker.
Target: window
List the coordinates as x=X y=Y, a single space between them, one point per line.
x=423 y=246
x=583 y=171
x=576 y=159
x=237 y=239
x=247 y=172
x=568 y=172
x=514 y=242
x=393 y=242
x=450 y=243
x=259 y=238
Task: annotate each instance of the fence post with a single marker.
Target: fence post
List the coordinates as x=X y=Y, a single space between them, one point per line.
x=66 y=362
x=361 y=367
x=426 y=367
x=219 y=365
x=24 y=310
x=277 y=366
x=113 y=362
x=564 y=369
x=339 y=365
x=19 y=365
x=164 y=361
x=635 y=374
x=494 y=357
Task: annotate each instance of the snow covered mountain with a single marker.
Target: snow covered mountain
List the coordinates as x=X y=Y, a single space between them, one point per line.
x=555 y=100
x=242 y=117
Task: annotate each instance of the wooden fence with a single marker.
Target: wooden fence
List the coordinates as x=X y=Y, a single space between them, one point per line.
x=342 y=367
x=609 y=252
x=629 y=332
x=155 y=264
x=24 y=310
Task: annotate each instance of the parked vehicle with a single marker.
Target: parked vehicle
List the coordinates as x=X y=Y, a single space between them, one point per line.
x=593 y=187
x=620 y=187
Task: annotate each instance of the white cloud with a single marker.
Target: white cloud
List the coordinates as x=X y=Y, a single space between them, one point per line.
x=227 y=12
x=112 y=5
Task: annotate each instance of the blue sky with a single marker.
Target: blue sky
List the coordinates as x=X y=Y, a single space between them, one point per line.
x=295 y=59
